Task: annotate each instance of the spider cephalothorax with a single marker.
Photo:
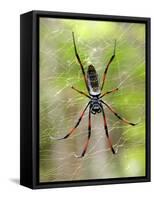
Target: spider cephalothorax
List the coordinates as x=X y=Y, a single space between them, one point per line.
x=95 y=95
x=95 y=105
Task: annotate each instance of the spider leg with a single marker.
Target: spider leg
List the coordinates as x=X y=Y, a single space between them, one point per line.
x=88 y=139
x=106 y=131
x=77 y=124
x=81 y=92
x=79 y=61
x=107 y=66
x=108 y=92
x=117 y=115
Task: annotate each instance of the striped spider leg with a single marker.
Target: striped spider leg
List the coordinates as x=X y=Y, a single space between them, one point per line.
x=79 y=61
x=117 y=115
x=107 y=66
x=88 y=139
x=76 y=125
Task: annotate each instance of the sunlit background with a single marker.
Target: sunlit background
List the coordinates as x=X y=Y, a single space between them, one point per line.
x=60 y=106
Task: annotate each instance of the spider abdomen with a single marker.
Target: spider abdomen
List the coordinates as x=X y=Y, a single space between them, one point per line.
x=92 y=78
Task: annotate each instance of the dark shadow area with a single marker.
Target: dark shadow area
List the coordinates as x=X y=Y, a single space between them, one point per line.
x=15 y=180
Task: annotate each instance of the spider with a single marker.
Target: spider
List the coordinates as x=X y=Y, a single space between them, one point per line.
x=95 y=104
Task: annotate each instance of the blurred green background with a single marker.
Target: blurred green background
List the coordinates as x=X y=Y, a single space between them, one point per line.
x=60 y=106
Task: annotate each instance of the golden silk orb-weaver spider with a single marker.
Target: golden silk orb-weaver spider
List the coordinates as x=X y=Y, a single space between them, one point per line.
x=95 y=94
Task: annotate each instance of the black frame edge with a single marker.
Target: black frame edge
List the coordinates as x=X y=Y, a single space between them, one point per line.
x=26 y=100
x=148 y=99
x=86 y=16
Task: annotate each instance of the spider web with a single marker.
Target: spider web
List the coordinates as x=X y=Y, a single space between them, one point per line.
x=60 y=106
